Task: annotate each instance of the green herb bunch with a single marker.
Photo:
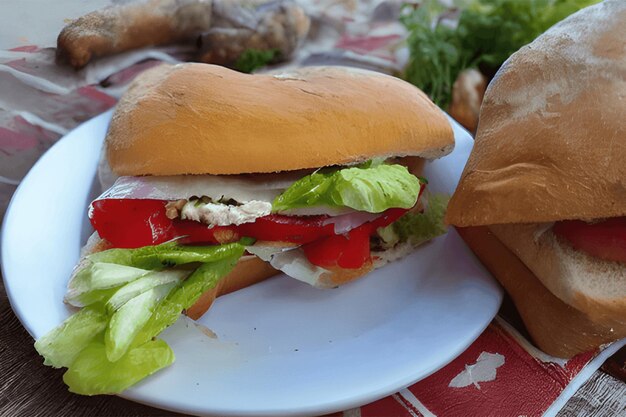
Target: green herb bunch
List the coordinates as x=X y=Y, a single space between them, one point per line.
x=487 y=33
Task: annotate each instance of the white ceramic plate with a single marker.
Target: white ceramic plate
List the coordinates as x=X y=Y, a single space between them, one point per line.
x=283 y=348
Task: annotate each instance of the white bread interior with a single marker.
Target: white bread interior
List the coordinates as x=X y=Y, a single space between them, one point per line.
x=591 y=285
x=555 y=326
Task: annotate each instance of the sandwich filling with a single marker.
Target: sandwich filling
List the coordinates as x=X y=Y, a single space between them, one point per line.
x=168 y=240
x=603 y=239
x=331 y=218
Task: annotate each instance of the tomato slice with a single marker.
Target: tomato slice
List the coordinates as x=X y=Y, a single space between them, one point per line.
x=197 y=233
x=131 y=223
x=605 y=239
x=351 y=250
x=288 y=228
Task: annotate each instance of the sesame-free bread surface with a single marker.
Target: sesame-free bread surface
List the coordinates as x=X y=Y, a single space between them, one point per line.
x=205 y=119
x=551 y=140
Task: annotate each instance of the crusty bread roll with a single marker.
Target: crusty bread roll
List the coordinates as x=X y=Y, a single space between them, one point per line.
x=591 y=285
x=556 y=327
x=205 y=119
x=551 y=146
x=551 y=141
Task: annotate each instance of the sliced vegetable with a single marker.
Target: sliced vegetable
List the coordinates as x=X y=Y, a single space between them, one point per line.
x=61 y=346
x=141 y=285
x=288 y=228
x=350 y=250
x=109 y=345
x=166 y=255
x=92 y=373
x=273 y=228
x=128 y=320
x=93 y=281
x=183 y=297
x=604 y=239
x=372 y=189
x=144 y=222
x=417 y=228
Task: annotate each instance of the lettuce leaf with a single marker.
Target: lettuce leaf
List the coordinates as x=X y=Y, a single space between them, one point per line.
x=61 y=346
x=371 y=188
x=128 y=320
x=92 y=282
x=109 y=345
x=143 y=284
x=166 y=255
x=183 y=297
x=417 y=228
x=92 y=373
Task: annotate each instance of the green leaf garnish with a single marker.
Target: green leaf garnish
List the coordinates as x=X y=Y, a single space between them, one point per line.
x=183 y=297
x=487 y=33
x=92 y=373
x=109 y=345
x=61 y=345
x=252 y=59
x=373 y=189
x=417 y=228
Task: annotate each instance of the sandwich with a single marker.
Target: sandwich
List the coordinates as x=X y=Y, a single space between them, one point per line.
x=222 y=179
x=542 y=199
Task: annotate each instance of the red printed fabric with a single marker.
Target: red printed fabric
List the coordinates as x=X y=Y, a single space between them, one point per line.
x=496 y=376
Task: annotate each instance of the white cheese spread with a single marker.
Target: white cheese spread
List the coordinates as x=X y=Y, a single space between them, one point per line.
x=218 y=214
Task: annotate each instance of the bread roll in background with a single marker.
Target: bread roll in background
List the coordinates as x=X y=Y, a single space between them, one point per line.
x=551 y=140
x=556 y=327
x=551 y=146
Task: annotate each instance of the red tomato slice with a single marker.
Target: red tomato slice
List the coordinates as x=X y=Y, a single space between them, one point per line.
x=352 y=250
x=197 y=233
x=131 y=223
x=287 y=228
x=604 y=240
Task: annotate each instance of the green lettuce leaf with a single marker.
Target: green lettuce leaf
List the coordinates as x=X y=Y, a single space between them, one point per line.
x=109 y=345
x=143 y=284
x=417 y=228
x=92 y=281
x=371 y=188
x=92 y=373
x=166 y=255
x=128 y=320
x=186 y=295
x=61 y=345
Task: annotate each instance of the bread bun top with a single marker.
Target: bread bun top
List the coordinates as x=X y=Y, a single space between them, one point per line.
x=551 y=140
x=205 y=119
